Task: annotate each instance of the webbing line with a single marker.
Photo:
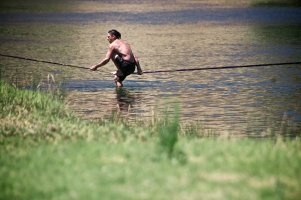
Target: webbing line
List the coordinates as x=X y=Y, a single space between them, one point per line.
x=160 y=71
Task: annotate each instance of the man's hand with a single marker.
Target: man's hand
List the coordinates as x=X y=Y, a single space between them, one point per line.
x=93 y=68
x=140 y=72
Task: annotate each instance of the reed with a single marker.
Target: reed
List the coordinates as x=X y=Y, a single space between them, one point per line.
x=14 y=101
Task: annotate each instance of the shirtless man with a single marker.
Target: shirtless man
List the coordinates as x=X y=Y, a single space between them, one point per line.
x=121 y=54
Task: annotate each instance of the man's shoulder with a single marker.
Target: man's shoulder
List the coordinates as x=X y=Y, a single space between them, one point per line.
x=117 y=43
x=113 y=45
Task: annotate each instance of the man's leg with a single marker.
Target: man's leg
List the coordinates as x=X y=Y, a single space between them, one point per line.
x=117 y=61
x=117 y=81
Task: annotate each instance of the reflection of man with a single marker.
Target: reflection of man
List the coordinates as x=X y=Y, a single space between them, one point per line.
x=124 y=99
x=121 y=54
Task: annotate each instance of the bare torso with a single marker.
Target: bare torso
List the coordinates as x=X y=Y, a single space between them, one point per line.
x=123 y=49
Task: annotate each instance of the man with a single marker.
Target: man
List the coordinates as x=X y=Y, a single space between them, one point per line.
x=121 y=54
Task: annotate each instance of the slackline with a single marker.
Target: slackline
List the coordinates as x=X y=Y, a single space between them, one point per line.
x=160 y=71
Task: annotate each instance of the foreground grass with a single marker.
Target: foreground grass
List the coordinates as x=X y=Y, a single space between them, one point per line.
x=48 y=153
x=135 y=170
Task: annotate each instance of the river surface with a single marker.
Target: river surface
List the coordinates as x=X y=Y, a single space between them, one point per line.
x=244 y=101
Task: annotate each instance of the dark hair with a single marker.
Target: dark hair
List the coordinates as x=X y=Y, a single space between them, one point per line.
x=116 y=33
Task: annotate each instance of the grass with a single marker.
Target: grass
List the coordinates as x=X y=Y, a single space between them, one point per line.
x=46 y=152
x=279 y=3
x=128 y=6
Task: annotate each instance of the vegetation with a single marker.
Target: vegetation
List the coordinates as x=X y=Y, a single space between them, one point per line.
x=280 y=3
x=49 y=153
x=139 y=6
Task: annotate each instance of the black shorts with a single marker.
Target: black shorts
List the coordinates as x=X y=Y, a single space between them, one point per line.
x=126 y=67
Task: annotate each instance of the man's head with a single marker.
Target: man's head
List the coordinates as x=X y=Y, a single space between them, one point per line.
x=113 y=35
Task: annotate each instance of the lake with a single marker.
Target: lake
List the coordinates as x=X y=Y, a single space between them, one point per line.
x=255 y=101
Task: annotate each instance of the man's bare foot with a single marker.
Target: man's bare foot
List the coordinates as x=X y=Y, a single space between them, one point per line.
x=119 y=84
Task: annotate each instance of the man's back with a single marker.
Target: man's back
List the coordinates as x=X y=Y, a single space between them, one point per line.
x=123 y=49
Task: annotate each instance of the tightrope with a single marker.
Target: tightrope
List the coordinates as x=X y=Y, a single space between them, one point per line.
x=224 y=67
x=42 y=61
x=161 y=71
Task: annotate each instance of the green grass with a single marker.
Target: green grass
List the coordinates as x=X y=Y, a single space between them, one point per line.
x=278 y=3
x=36 y=6
x=46 y=152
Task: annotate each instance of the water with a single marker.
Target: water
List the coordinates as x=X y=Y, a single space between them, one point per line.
x=179 y=35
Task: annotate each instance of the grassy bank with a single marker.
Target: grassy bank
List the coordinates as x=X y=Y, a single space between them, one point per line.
x=128 y=6
x=279 y=3
x=49 y=153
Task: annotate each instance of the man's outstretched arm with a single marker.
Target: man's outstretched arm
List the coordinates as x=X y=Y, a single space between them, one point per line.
x=104 y=61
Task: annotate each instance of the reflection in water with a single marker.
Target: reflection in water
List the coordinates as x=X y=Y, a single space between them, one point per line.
x=242 y=101
x=94 y=99
x=125 y=99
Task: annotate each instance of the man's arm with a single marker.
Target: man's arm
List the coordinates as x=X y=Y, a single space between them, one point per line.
x=139 y=70
x=105 y=60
